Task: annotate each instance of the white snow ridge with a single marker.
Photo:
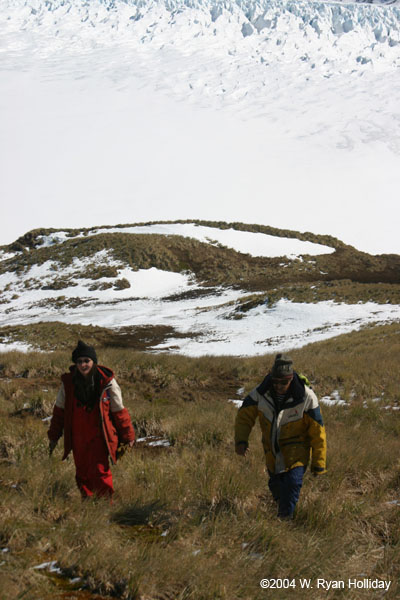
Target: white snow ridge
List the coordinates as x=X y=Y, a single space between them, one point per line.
x=256 y=244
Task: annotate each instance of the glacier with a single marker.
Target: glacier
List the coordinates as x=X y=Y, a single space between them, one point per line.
x=332 y=37
x=219 y=110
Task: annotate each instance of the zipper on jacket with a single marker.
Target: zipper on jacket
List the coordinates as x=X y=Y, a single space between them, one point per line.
x=103 y=427
x=274 y=435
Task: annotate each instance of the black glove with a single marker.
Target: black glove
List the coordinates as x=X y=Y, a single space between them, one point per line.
x=52 y=445
x=122 y=448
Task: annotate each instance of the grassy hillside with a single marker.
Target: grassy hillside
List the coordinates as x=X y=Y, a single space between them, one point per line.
x=211 y=264
x=193 y=520
x=75 y=275
x=31 y=239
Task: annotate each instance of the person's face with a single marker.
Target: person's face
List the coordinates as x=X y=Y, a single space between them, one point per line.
x=281 y=386
x=84 y=365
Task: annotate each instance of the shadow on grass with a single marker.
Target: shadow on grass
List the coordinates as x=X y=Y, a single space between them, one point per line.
x=136 y=514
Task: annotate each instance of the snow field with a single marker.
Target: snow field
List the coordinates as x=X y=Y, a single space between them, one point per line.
x=208 y=323
x=282 y=113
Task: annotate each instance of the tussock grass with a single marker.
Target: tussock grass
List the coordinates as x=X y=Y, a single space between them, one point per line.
x=193 y=520
x=214 y=264
x=343 y=291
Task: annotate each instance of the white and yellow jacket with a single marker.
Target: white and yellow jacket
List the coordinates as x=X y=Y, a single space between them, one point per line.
x=291 y=432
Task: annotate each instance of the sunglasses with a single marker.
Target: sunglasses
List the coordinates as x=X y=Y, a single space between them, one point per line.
x=83 y=361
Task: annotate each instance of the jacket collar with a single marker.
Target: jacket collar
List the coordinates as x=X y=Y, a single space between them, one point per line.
x=106 y=374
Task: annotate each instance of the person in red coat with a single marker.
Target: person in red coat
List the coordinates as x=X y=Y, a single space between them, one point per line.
x=90 y=412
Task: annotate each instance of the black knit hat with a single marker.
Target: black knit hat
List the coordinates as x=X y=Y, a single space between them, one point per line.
x=82 y=350
x=282 y=367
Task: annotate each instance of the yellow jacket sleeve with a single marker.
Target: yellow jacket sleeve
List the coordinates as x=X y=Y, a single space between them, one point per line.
x=245 y=420
x=317 y=438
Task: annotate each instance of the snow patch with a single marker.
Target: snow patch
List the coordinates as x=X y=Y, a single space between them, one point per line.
x=334 y=399
x=154 y=441
x=11 y=346
x=53 y=238
x=6 y=255
x=44 y=282
x=49 y=566
x=255 y=244
x=207 y=324
x=237 y=403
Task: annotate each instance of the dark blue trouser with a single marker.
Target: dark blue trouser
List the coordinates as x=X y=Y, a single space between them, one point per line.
x=285 y=489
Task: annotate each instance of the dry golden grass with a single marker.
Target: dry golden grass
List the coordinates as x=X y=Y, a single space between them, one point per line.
x=193 y=520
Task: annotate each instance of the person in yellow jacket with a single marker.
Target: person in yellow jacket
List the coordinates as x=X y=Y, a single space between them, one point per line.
x=292 y=431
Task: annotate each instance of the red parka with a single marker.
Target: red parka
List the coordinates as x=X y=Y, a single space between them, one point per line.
x=116 y=426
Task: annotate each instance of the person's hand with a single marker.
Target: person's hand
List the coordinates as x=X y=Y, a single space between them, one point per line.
x=241 y=449
x=121 y=451
x=52 y=445
x=123 y=447
x=318 y=473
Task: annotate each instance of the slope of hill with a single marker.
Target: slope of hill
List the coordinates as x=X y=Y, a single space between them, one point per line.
x=196 y=287
x=190 y=520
